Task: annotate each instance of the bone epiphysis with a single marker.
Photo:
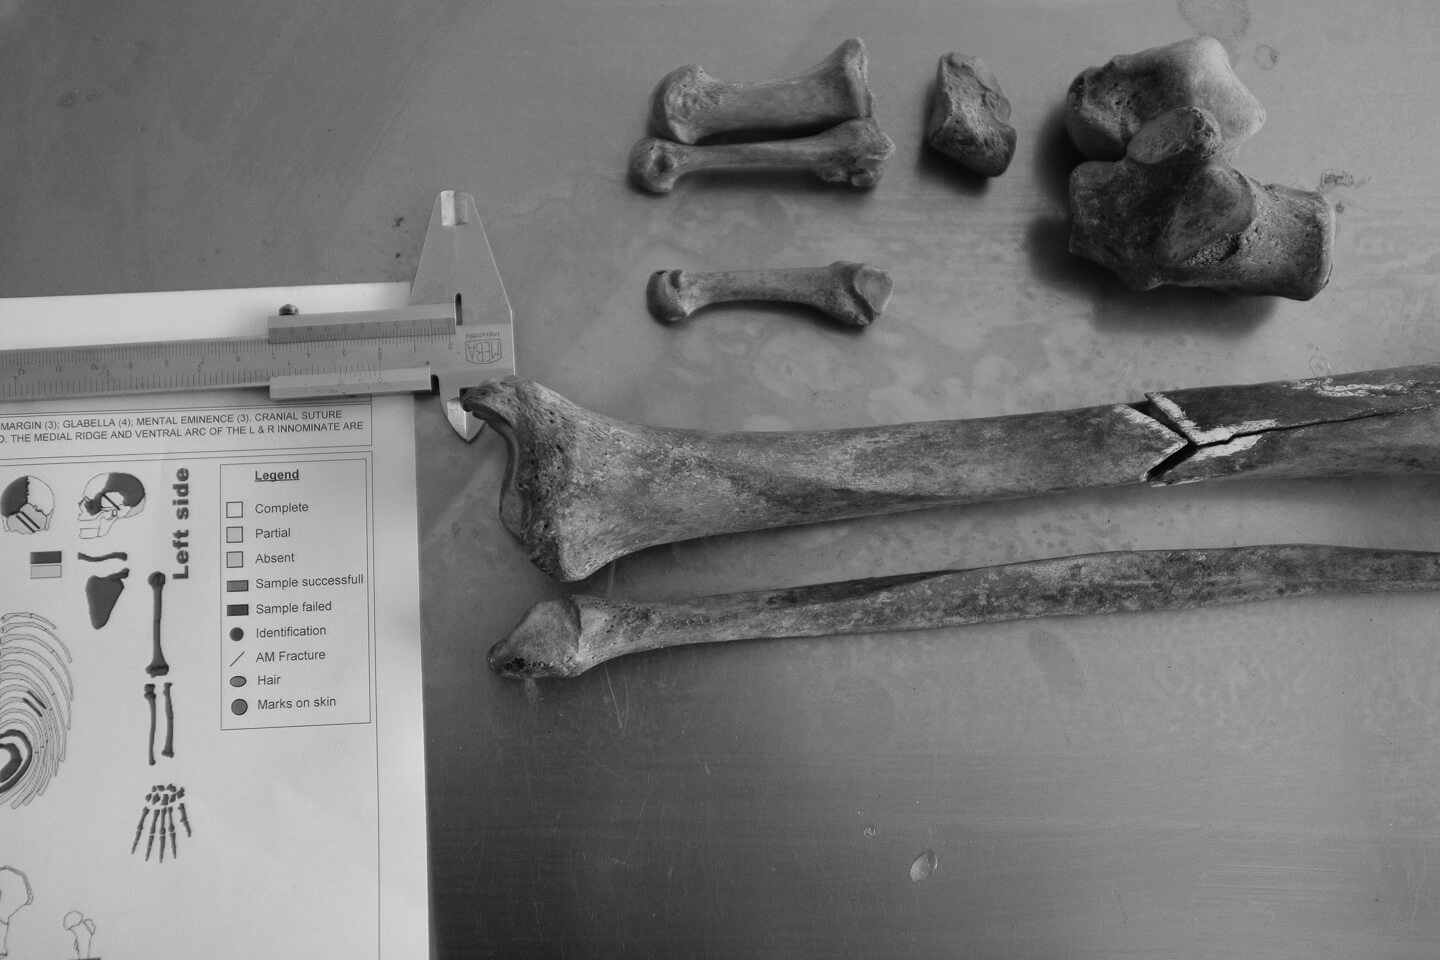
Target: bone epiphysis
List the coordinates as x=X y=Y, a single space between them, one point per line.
x=567 y=636
x=1173 y=211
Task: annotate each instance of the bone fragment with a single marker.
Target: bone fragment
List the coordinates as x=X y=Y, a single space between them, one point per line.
x=582 y=489
x=567 y=636
x=689 y=104
x=853 y=293
x=1108 y=105
x=1174 y=211
x=853 y=152
x=970 y=119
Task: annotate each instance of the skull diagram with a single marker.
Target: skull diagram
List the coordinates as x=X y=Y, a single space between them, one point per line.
x=109 y=497
x=26 y=505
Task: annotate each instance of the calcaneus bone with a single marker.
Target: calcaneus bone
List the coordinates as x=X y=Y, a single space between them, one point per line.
x=1173 y=211
x=689 y=104
x=1107 y=106
x=567 y=636
x=853 y=152
x=970 y=119
x=855 y=294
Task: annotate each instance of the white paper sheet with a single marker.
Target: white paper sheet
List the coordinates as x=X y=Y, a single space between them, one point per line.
x=288 y=708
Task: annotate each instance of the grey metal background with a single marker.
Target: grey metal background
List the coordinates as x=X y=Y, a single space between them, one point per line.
x=1258 y=782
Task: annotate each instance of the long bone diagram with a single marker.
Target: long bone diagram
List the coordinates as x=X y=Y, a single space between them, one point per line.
x=582 y=489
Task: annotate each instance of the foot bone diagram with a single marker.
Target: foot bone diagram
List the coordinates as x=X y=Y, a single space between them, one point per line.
x=583 y=489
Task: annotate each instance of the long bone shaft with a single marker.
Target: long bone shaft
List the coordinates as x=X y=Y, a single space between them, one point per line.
x=853 y=152
x=583 y=489
x=567 y=636
x=853 y=293
x=689 y=104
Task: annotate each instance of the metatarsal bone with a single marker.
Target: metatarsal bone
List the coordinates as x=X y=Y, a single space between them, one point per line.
x=567 y=636
x=689 y=104
x=853 y=293
x=853 y=152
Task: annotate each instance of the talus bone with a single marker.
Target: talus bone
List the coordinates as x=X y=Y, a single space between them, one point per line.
x=970 y=119
x=1173 y=211
x=582 y=489
x=853 y=153
x=1107 y=106
x=567 y=636
x=689 y=104
x=855 y=294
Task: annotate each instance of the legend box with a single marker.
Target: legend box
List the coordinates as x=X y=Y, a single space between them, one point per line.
x=297 y=630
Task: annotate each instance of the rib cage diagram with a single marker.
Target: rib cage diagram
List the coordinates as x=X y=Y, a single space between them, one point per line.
x=35 y=694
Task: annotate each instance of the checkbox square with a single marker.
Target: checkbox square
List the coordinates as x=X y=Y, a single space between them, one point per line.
x=234 y=509
x=234 y=558
x=234 y=534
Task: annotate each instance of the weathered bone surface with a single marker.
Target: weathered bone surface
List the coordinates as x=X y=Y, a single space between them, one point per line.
x=1174 y=211
x=853 y=152
x=970 y=119
x=853 y=293
x=1108 y=105
x=567 y=636
x=689 y=104
x=582 y=489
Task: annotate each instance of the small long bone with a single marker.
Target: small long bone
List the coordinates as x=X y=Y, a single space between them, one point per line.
x=853 y=152
x=853 y=293
x=582 y=489
x=689 y=104
x=567 y=636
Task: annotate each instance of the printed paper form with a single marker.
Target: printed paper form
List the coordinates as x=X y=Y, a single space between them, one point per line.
x=210 y=713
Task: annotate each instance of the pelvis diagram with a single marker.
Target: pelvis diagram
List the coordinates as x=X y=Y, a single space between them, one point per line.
x=35 y=697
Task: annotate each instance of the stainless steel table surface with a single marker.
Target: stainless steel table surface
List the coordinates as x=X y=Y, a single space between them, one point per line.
x=1257 y=781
